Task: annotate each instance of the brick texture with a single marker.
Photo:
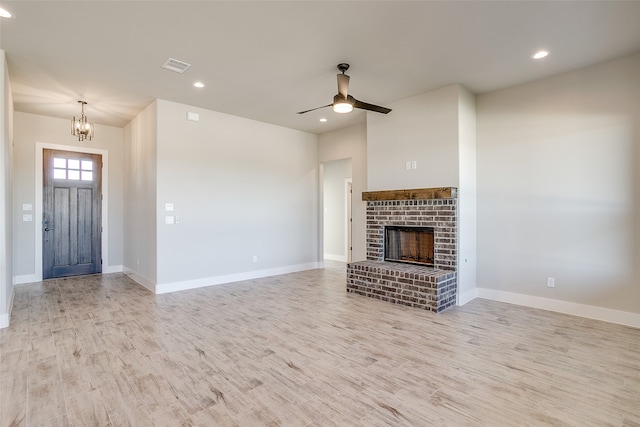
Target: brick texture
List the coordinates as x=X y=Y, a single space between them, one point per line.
x=429 y=288
x=416 y=286
x=441 y=214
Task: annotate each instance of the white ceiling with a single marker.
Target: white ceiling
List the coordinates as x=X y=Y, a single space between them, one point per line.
x=266 y=60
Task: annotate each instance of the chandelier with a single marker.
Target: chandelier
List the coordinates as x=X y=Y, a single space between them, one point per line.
x=81 y=127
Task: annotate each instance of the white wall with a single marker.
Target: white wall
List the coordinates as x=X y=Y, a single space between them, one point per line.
x=467 y=231
x=559 y=190
x=351 y=143
x=423 y=128
x=241 y=189
x=335 y=174
x=140 y=174
x=6 y=191
x=437 y=130
x=31 y=129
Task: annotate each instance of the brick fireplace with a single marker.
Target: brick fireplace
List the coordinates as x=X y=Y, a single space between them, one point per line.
x=430 y=283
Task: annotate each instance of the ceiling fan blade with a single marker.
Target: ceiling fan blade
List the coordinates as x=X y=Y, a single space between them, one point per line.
x=343 y=85
x=371 y=107
x=317 y=108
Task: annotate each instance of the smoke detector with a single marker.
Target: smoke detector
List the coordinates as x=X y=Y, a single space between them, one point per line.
x=176 y=65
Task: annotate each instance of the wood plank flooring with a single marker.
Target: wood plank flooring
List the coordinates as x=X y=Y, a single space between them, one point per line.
x=297 y=350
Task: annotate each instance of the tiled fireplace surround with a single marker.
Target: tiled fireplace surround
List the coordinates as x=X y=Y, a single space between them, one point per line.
x=429 y=288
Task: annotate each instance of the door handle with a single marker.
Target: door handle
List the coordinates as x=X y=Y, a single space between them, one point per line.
x=48 y=229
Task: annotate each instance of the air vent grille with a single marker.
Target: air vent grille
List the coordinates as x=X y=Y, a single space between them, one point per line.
x=176 y=65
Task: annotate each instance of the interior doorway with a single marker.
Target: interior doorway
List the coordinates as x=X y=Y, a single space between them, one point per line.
x=337 y=181
x=71 y=213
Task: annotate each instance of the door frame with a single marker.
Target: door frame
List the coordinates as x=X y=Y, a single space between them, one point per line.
x=348 y=219
x=37 y=213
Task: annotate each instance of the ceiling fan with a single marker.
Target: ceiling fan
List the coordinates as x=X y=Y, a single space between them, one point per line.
x=345 y=103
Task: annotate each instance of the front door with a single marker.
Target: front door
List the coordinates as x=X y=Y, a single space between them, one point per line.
x=72 y=206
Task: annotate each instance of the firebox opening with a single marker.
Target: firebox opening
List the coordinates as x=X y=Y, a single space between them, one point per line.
x=413 y=245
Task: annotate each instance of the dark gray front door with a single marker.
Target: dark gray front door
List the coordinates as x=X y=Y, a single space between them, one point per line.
x=72 y=205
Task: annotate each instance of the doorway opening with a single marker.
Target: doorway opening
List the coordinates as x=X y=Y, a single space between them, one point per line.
x=337 y=220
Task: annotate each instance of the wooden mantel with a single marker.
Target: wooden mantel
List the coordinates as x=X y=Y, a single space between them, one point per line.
x=415 y=194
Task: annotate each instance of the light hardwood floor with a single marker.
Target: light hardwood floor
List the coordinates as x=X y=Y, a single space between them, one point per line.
x=297 y=350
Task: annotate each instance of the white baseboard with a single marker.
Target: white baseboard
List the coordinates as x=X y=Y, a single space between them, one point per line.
x=218 y=280
x=141 y=280
x=4 y=318
x=467 y=296
x=31 y=278
x=112 y=269
x=26 y=278
x=588 y=311
x=333 y=257
x=4 y=321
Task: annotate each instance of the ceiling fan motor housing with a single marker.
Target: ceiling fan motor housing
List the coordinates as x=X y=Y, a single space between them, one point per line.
x=343 y=67
x=339 y=98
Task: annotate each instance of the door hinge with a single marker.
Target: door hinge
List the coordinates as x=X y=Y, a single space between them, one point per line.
x=101 y=197
x=100 y=261
x=101 y=229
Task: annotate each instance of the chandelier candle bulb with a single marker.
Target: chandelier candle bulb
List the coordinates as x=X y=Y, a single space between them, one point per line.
x=81 y=127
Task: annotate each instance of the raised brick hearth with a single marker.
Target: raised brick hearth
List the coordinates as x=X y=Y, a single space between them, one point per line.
x=406 y=284
x=430 y=288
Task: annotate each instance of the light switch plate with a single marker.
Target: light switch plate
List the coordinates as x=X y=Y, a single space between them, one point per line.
x=169 y=220
x=27 y=217
x=168 y=206
x=27 y=207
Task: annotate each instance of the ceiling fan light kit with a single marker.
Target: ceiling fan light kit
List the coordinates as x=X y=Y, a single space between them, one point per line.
x=342 y=105
x=345 y=103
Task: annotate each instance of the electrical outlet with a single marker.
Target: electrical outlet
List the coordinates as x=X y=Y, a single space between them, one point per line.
x=551 y=282
x=255 y=258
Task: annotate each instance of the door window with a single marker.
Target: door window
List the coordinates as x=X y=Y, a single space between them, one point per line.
x=73 y=169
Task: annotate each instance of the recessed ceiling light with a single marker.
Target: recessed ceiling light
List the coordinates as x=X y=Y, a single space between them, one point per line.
x=540 y=54
x=323 y=119
x=198 y=84
x=4 y=13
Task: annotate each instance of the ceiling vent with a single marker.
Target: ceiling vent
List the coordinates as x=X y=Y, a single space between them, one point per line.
x=176 y=65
